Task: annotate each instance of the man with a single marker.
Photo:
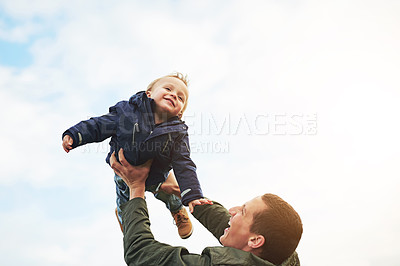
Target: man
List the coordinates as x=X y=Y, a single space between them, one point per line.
x=264 y=231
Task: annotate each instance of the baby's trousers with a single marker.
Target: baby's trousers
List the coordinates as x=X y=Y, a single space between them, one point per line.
x=172 y=202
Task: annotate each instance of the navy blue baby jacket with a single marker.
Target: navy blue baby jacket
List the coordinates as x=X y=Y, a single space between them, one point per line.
x=130 y=124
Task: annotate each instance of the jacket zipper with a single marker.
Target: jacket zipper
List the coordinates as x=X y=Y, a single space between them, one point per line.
x=166 y=143
x=135 y=129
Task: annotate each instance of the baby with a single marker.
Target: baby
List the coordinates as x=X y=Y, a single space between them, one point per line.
x=148 y=126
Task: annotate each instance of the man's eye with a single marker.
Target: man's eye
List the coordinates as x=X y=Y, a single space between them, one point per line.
x=180 y=98
x=168 y=89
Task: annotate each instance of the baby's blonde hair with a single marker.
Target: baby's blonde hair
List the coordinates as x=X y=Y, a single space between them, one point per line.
x=177 y=75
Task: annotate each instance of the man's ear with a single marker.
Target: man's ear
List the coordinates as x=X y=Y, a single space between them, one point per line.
x=256 y=241
x=148 y=93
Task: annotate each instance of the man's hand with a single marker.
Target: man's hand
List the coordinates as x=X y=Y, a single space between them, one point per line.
x=67 y=143
x=134 y=176
x=198 y=202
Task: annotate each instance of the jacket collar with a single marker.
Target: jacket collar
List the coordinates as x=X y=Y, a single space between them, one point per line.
x=233 y=256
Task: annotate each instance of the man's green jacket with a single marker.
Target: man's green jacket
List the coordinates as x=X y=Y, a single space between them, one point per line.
x=140 y=248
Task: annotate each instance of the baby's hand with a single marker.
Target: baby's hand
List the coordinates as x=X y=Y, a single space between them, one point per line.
x=198 y=202
x=67 y=143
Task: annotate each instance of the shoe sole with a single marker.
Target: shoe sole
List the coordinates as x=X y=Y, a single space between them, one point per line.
x=188 y=235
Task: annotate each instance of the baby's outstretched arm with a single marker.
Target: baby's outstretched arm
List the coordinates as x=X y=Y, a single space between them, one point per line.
x=198 y=202
x=67 y=143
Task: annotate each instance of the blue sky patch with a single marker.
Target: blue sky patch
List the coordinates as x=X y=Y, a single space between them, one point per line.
x=15 y=54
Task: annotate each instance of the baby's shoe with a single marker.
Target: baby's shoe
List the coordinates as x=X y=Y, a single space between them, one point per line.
x=183 y=223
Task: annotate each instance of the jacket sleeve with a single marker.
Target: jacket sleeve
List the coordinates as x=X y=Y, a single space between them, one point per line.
x=185 y=170
x=140 y=247
x=214 y=217
x=96 y=129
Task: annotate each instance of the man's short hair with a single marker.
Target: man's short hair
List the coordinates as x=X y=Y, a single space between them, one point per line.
x=281 y=227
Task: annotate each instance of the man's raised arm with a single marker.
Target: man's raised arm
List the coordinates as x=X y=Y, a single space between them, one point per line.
x=214 y=217
x=140 y=247
x=134 y=176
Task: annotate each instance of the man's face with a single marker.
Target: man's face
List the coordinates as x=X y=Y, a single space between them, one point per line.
x=238 y=234
x=170 y=95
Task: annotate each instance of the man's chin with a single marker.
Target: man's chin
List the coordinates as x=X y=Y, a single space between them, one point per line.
x=221 y=240
x=223 y=237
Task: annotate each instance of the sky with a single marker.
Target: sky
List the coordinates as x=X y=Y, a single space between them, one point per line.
x=296 y=98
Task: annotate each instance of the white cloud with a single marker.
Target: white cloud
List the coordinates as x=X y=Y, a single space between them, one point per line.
x=337 y=60
x=72 y=241
x=18 y=33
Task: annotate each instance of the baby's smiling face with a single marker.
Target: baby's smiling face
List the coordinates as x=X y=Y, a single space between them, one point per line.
x=170 y=95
